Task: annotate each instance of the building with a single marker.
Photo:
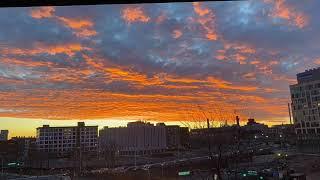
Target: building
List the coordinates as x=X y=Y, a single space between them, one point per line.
x=305 y=102
x=254 y=126
x=137 y=138
x=26 y=146
x=305 y=105
x=67 y=139
x=226 y=135
x=4 y=135
x=177 y=137
x=17 y=149
x=282 y=129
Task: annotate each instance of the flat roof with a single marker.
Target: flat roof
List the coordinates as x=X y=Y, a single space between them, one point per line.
x=48 y=127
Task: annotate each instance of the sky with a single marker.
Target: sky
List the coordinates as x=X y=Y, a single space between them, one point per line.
x=169 y=62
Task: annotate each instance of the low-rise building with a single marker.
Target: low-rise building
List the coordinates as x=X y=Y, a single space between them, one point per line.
x=137 y=138
x=67 y=139
x=177 y=137
x=200 y=138
x=254 y=126
x=17 y=149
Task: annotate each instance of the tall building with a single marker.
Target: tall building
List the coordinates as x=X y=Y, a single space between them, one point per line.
x=137 y=138
x=305 y=105
x=4 y=135
x=305 y=97
x=67 y=139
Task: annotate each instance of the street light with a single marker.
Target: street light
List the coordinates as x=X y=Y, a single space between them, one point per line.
x=1 y=166
x=162 y=164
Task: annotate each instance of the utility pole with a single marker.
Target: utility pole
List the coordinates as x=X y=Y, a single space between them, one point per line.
x=2 y=165
x=208 y=137
x=209 y=146
x=238 y=145
x=135 y=157
x=289 y=109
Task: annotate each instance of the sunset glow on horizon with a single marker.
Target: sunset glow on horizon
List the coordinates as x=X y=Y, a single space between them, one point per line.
x=168 y=62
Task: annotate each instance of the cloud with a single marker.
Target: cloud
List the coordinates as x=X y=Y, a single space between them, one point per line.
x=177 y=34
x=287 y=12
x=40 y=48
x=134 y=14
x=172 y=58
x=81 y=27
x=42 y=12
x=207 y=20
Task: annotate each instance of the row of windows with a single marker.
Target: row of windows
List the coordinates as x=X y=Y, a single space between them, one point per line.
x=307 y=124
x=60 y=142
x=66 y=133
x=67 y=129
x=66 y=145
x=309 y=105
x=67 y=149
x=306 y=87
x=308 y=131
x=303 y=94
x=68 y=137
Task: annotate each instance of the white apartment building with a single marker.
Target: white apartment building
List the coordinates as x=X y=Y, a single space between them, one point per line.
x=305 y=97
x=137 y=138
x=67 y=139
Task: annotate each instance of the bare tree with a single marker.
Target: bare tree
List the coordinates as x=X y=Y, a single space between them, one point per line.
x=208 y=118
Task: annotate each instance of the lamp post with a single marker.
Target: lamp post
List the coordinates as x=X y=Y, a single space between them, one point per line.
x=162 y=164
x=1 y=165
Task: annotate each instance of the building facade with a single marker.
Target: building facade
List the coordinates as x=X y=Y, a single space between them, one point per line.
x=177 y=137
x=252 y=125
x=67 y=139
x=305 y=105
x=4 y=135
x=137 y=138
x=305 y=98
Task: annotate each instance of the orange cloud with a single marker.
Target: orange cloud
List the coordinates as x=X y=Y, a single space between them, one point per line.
x=161 y=18
x=42 y=12
x=254 y=62
x=114 y=73
x=222 y=84
x=24 y=62
x=240 y=47
x=136 y=14
x=250 y=76
x=240 y=58
x=39 y=48
x=220 y=57
x=199 y=10
x=206 y=19
x=317 y=61
x=285 y=11
x=76 y=23
x=177 y=34
x=81 y=27
x=239 y=52
x=96 y=104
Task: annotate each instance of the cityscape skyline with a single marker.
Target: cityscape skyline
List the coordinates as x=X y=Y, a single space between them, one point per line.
x=157 y=62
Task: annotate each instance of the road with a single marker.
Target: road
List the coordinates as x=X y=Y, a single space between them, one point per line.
x=148 y=166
